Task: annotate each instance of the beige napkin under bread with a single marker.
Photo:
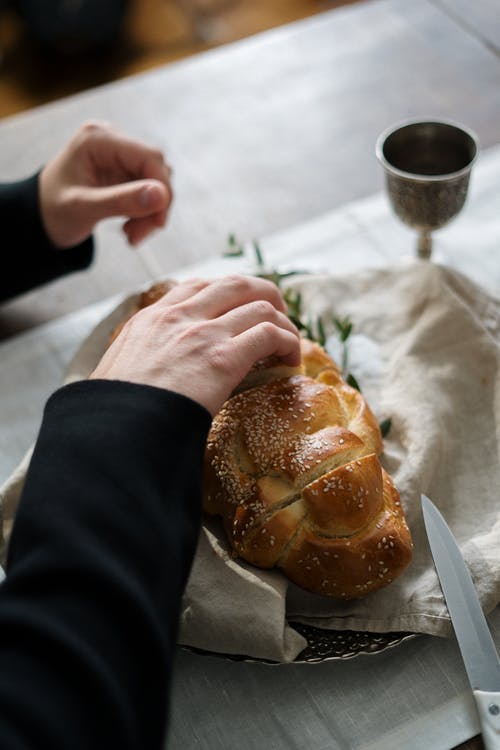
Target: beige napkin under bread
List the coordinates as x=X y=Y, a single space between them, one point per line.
x=425 y=351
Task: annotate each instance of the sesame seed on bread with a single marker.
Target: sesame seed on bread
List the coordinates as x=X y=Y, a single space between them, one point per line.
x=292 y=468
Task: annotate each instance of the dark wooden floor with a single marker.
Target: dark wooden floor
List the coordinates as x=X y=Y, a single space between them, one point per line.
x=153 y=32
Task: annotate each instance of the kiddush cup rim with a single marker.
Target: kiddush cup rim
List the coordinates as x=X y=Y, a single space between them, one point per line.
x=469 y=134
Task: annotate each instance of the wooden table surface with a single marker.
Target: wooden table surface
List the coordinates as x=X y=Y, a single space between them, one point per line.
x=268 y=132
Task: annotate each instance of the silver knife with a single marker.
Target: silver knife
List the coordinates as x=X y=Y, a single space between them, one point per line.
x=469 y=623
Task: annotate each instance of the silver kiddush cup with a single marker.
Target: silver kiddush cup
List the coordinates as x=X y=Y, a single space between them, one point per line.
x=427 y=165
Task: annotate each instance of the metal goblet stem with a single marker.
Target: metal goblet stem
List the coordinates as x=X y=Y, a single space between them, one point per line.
x=427 y=165
x=424 y=244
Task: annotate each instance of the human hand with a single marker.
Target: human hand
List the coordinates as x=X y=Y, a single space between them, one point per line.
x=102 y=173
x=202 y=338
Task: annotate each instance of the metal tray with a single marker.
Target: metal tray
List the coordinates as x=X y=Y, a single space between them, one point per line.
x=326 y=645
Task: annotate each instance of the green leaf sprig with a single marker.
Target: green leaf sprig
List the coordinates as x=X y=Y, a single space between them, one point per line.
x=385 y=426
x=234 y=249
x=344 y=328
x=313 y=330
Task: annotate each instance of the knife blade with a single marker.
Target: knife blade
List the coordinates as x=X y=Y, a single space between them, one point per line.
x=469 y=623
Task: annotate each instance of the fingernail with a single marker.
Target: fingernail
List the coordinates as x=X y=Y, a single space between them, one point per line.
x=149 y=197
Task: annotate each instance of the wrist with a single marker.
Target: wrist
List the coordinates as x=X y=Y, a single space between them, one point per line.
x=46 y=207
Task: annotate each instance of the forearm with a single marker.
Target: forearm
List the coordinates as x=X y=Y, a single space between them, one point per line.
x=100 y=553
x=29 y=258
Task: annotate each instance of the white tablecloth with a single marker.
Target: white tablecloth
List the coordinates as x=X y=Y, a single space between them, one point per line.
x=412 y=696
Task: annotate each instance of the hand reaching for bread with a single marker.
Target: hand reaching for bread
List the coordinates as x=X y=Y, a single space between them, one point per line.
x=202 y=337
x=291 y=463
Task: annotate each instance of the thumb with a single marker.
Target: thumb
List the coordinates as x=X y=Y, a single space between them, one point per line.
x=134 y=199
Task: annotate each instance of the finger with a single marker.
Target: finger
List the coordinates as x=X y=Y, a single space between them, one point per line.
x=183 y=291
x=247 y=316
x=138 y=229
x=264 y=340
x=156 y=169
x=137 y=199
x=114 y=150
x=117 y=158
x=161 y=173
x=225 y=294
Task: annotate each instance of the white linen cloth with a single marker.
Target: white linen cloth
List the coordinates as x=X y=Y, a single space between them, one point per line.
x=426 y=355
x=425 y=352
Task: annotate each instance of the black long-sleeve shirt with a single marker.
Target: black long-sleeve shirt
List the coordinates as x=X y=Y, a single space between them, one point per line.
x=99 y=555
x=27 y=252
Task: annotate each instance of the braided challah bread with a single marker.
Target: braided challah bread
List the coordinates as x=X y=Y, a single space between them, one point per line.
x=291 y=466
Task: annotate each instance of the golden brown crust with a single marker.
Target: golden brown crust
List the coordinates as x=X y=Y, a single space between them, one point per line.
x=292 y=467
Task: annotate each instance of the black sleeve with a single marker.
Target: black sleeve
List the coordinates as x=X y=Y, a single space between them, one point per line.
x=98 y=559
x=28 y=256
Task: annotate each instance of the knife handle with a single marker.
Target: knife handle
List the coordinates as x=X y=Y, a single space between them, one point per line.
x=488 y=708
